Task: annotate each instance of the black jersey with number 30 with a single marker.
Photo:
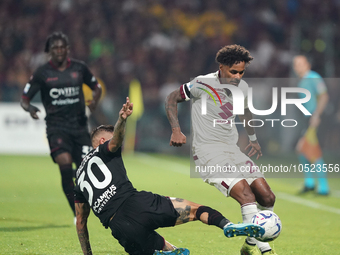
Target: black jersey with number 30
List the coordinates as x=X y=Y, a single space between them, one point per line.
x=61 y=94
x=101 y=181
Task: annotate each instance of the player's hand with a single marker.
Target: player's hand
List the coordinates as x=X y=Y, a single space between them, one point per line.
x=126 y=110
x=314 y=121
x=177 y=138
x=255 y=148
x=92 y=105
x=33 y=112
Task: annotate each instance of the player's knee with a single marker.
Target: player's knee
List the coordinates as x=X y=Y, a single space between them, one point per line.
x=197 y=212
x=268 y=200
x=243 y=197
x=246 y=198
x=194 y=210
x=63 y=158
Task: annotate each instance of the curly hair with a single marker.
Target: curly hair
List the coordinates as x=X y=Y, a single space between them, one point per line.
x=233 y=54
x=106 y=128
x=55 y=36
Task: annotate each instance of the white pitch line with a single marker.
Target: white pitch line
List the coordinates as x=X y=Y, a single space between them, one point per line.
x=308 y=203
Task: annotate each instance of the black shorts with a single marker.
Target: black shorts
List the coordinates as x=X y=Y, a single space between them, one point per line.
x=135 y=222
x=78 y=145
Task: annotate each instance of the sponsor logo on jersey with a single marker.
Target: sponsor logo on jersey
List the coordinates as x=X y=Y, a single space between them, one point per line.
x=49 y=79
x=65 y=101
x=66 y=92
x=104 y=198
x=74 y=75
x=209 y=93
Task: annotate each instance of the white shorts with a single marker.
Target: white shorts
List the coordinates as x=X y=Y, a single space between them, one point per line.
x=223 y=169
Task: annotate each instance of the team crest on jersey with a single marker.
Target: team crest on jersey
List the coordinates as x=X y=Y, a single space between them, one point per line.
x=74 y=75
x=208 y=92
x=49 y=79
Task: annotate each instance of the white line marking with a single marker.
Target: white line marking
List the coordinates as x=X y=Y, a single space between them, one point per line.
x=305 y=202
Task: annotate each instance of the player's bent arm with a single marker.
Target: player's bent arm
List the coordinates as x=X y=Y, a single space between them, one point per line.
x=118 y=135
x=245 y=118
x=96 y=94
x=322 y=103
x=254 y=146
x=25 y=103
x=171 y=108
x=82 y=213
x=119 y=129
x=177 y=137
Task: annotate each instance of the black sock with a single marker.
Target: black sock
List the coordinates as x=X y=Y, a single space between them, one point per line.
x=214 y=217
x=67 y=183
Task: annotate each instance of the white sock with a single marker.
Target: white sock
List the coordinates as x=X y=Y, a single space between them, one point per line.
x=261 y=245
x=248 y=211
x=262 y=208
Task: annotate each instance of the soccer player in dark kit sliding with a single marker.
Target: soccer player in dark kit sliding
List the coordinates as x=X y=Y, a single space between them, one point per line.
x=102 y=185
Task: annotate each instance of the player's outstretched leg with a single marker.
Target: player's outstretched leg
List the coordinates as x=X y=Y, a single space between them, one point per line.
x=189 y=211
x=177 y=251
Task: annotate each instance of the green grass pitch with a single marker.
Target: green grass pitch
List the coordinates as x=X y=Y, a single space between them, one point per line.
x=36 y=219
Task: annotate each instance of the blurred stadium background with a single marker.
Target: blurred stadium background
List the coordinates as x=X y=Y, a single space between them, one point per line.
x=163 y=44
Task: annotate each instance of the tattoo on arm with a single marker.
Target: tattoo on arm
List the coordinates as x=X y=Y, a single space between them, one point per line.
x=184 y=214
x=171 y=107
x=118 y=135
x=82 y=213
x=119 y=131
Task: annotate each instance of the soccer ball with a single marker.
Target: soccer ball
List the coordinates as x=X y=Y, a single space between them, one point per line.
x=271 y=224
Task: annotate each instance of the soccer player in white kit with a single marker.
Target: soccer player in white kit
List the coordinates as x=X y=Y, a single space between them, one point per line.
x=215 y=138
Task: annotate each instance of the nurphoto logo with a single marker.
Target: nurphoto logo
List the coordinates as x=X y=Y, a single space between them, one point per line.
x=237 y=108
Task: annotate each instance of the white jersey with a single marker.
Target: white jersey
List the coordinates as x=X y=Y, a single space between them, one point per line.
x=215 y=129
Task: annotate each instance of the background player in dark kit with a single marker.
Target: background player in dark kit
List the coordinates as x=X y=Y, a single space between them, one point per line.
x=60 y=84
x=103 y=185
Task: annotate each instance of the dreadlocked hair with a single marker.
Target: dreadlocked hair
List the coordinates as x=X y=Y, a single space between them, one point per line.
x=233 y=54
x=53 y=37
